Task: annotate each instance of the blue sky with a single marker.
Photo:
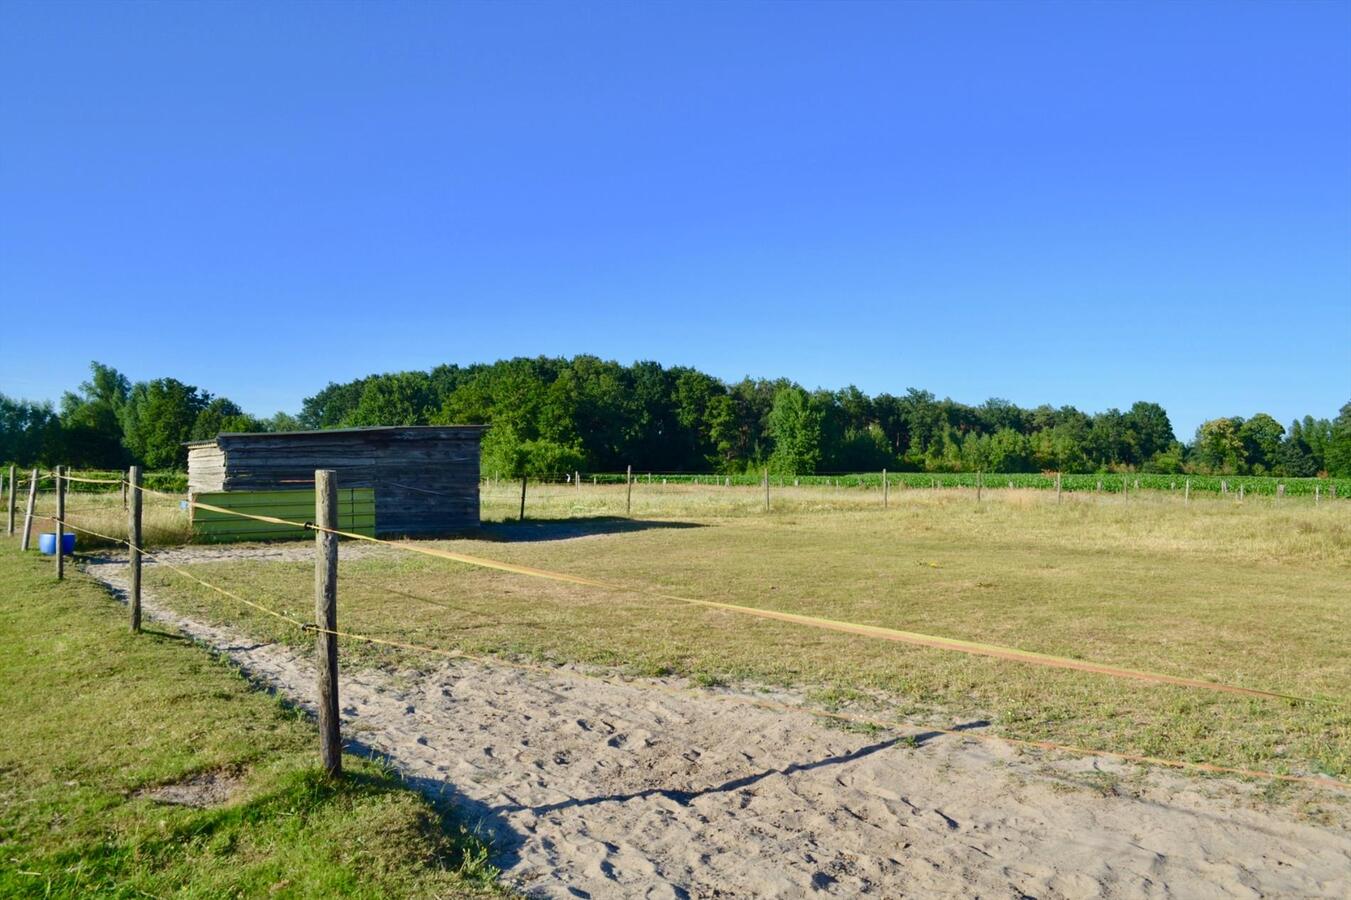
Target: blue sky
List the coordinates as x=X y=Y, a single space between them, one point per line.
x=1068 y=203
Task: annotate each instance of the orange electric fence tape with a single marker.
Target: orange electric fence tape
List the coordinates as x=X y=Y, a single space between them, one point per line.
x=854 y=718
x=88 y=480
x=873 y=631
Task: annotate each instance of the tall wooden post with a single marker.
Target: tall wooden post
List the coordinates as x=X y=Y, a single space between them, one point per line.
x=1187 y=492
x=326 y=618
x=524 y=478
x=577 y=479
x=60 y=522
x=628 y=491
x=11 y=495
x=28 y=510
x=766 y=488
x=885 y=489
x=979 y=479
x=1057 y=488
x=133 y=483
x=13 y=488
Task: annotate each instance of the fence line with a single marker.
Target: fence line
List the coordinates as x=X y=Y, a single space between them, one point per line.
x=763 y=703
x=1010 y=654
x=995 y=651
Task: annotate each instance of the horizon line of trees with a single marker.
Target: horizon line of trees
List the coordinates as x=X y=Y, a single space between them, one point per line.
x=552 y=415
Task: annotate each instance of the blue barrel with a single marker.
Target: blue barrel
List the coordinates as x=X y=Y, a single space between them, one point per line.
x=47 y=542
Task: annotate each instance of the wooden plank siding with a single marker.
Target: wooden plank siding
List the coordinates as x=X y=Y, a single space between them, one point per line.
x=425 y=478
x=356 y=513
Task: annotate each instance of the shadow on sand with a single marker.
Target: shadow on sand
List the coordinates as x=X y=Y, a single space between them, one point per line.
x=489 y=822
x=684 y=797
x=564 y=529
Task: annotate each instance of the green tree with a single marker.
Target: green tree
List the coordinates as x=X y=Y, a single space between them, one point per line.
x=332 y=406
x=1261 y=436
x=158 y=418
x=30 y=433
x=90 y=420
x=506 y=455
x=223 y=416
x=1218 y=447
x=1337 y=456
x=402 y=398
x=795 y=427
x=1009 y=451
x=1148 y=431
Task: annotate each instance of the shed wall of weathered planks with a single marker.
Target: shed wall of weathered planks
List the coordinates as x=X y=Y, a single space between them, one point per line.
x=426 y=478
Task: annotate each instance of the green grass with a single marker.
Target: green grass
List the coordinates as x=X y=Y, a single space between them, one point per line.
x=93 y=716
x=1253 y=485
x=1251 y=594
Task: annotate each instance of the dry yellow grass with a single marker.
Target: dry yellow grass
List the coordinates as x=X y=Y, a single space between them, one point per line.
x=1252 y=594
x=163 y=523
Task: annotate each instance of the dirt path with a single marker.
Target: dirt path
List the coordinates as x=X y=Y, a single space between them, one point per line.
x=591 y=789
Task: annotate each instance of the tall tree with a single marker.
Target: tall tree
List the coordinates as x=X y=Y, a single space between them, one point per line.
x=1337 y=456
x=1261 y=436
x=158 y=418
x=90 y=419
x=795 y=427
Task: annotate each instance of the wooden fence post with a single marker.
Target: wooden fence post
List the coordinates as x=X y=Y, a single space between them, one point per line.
x=885 y=489
x=124 y=494
x=12 y=489
x=134 y=544
x=628 y=491
x=766 y=488
x=1240 y=493
x=60 y=528
x=11 y=505
x=1187 y=492
x=577 y=479
x=28 y=511
x=326 y=618
x=1057 y=488
x=524 y=478
x=980 y=478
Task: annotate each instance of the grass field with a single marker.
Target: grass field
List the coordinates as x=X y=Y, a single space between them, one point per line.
x=96 y=719
x=1252 y=594
x=163 y=522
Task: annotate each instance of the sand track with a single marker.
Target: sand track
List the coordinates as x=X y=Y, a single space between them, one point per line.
x=593 y=789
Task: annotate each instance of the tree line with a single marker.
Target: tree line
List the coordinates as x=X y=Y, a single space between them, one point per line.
x=554 y=415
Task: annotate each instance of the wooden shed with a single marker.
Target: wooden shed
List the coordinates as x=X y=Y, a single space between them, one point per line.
x=425 y=477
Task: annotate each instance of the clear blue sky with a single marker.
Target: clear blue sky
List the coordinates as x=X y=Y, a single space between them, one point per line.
x=1066 y=203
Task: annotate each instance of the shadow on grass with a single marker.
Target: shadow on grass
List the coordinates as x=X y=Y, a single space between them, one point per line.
x=464 y=820
x=564 y=529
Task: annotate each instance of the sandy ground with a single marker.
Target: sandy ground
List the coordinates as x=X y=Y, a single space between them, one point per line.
x=595 y=789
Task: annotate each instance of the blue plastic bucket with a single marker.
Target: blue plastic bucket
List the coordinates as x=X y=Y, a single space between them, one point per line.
x=47 y=543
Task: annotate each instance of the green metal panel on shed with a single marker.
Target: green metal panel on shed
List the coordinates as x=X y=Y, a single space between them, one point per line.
x=356 y=513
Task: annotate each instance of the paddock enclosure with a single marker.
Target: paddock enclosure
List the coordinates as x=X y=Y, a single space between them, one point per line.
x=425 y=478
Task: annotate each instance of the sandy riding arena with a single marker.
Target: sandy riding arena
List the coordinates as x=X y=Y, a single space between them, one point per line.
x=653 y=787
